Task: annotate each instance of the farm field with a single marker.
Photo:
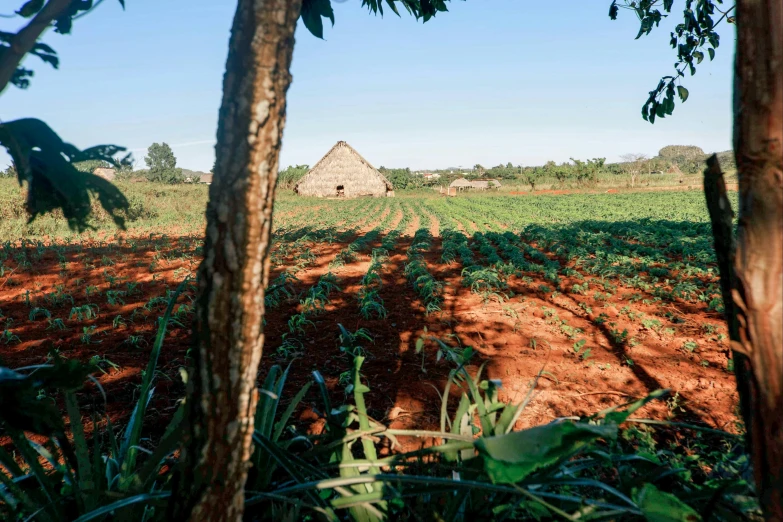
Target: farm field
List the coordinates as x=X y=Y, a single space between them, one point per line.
x=598 y=298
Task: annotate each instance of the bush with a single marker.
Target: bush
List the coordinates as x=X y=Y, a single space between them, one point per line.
x=290 y=176
x=681 y=151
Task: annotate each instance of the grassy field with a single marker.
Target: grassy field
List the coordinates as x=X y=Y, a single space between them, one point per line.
x=596 y=298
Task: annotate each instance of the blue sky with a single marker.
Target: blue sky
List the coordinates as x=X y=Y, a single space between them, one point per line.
x=489 y=82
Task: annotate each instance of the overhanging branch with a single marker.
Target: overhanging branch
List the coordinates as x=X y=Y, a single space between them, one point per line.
x=25 y=39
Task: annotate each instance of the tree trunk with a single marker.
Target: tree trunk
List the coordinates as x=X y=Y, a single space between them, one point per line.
x=758 y=284
x=228 y=335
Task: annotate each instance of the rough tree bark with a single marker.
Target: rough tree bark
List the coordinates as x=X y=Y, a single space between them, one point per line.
x=758 y=265
x=228 y=333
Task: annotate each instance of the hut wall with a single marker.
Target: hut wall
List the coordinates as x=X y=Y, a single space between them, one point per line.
x=343 y=169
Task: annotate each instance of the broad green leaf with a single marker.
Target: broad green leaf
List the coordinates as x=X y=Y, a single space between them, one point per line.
x=683 y=92
x=658 y=506
x=30 y=8
x=312 y=11
x=512 y=457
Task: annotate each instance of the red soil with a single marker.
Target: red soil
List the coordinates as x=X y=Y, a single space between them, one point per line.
x=517 y=339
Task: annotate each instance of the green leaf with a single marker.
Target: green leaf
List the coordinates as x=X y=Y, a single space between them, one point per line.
x=699 y=56
x=658 y=506
x=46 y=163
x=682 y=92
x=512 y=457
x=30 y=8
x=312 y=11
x=668 y=105
x=711 y=51
x=613 y=10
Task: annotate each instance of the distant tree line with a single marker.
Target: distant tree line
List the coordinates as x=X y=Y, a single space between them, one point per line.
x=686 y=159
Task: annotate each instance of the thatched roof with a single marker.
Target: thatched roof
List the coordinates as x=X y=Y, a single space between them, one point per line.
x=343 y=172
x=460 y=183
x=485 y=183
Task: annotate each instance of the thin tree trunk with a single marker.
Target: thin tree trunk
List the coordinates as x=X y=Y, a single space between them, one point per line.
x=758 y=284
x=23 y=41
x=228 y=336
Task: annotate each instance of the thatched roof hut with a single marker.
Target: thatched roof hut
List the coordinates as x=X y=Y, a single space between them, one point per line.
x=484 y=184
x=342 y=172
x=460 y=183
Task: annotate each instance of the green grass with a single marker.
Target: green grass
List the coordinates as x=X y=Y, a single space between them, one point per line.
x=179 y=210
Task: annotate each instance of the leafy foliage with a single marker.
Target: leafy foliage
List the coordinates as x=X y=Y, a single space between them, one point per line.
x=604 y=466
x=581 y=173
x=41 y=158
x=163 y=165
x=62 y=24
x=402 y=179
x=46 y=163
x=314 y=10
x=691 y=38
x=290 y=176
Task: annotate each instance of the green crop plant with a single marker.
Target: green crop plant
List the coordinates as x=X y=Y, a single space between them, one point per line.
x=37 y=312
x=84 y=312
x=481 y=280
x=8 y=337
x=101 y=363
x=87 y=333
x=690 y=346
x=580 y=289
x=279 y=290
x=652 y=324
x=55 y=324
x=351 y=343
x=298 y=322
x=156 y=303
x=424 y=284
x=58 y=297
x=290 y=347
x=135 y=340
x=371 y=305
x=618 y=337
x=115 y=297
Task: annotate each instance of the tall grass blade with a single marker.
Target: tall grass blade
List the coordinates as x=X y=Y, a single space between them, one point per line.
x=128 y=449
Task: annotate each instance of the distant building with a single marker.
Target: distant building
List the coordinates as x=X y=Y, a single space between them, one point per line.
x=460 y=184
x=195 y=176
x=344 y=173
x=484 y=184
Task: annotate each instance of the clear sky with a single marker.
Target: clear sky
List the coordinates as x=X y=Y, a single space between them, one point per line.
x=489 y=82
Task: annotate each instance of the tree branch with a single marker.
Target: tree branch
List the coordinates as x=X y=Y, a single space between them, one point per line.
x=23 y=42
